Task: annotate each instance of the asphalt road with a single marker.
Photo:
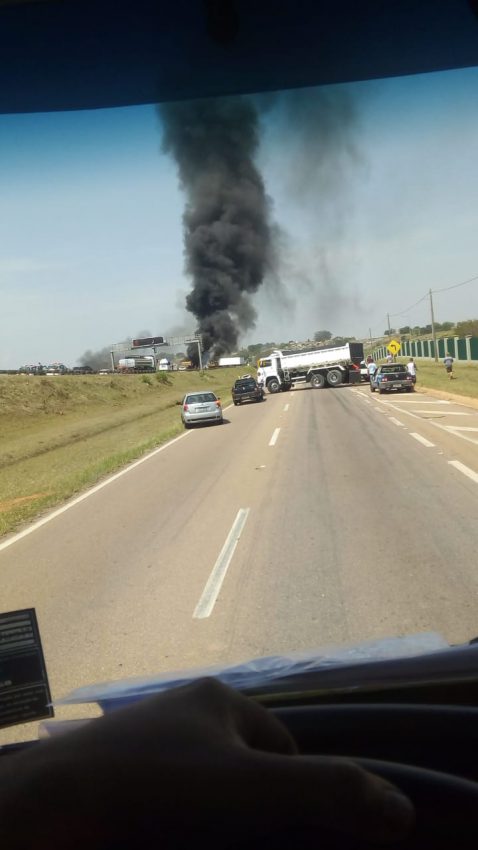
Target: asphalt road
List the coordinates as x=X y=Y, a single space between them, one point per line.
x=359 y=520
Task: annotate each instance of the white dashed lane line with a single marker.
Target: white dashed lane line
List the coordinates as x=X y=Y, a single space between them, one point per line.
x=381 y=407
x=214 y=583
x=422 y=440
x=470 y=473
x=286 y=407
x=273 y=439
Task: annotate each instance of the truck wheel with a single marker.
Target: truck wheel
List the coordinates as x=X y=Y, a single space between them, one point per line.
x=273 y=386
x=334 y=378
x=317 y=381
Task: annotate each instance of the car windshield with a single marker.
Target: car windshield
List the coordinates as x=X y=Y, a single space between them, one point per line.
x=396 y=367
x=150 y=257
x=200 y=398
x=246 y=385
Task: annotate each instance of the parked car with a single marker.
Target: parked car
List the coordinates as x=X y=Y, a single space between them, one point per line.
x=390 y=377
x=247 y=389
x=201 y=407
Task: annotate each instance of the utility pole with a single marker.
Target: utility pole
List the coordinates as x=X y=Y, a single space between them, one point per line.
x=112 y=354
x=199 y=352
x=370 y=335
x=434 y=336
x=388 y=322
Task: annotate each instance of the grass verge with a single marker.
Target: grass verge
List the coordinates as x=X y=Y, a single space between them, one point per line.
x=63 y=436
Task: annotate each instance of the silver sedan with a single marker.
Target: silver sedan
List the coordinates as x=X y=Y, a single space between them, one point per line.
x=201 y=407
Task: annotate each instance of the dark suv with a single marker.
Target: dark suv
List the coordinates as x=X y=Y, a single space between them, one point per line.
x=246 y=389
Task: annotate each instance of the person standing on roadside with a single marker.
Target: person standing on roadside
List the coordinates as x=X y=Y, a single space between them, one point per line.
x=448 y=361
x=371 y=368
x=412 y=369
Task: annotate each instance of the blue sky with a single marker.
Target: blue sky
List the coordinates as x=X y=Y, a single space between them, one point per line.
x=90 y=220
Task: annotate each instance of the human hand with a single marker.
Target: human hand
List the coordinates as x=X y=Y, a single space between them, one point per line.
x=200 y=763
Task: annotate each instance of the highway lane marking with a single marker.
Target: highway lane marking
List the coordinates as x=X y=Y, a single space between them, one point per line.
x=91 y=491
x=273 y=439
x=399 y=409
x=215 y=581
x=362 y=396
x=286 y=407
x=444 y=412
x=451 y=429
x=456 y=432
x=470 y=473
x=396 y=421
x=422 y=440
x=405 y=400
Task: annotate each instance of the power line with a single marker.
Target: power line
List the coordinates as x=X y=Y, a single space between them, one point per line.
x=456 y=285
x=427 y=295
x=404 y=312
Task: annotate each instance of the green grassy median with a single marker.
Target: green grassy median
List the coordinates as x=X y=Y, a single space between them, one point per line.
x=62 y=434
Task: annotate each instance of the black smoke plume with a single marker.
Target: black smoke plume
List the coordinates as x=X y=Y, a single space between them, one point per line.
x=227 y=233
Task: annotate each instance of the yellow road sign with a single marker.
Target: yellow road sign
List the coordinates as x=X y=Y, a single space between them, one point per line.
x=393 y=346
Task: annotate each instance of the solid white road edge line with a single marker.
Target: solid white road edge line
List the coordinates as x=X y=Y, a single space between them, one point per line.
x=422 y=440
x=470 y=473
x=273 y=439
x=90 y=492
x=214 y=583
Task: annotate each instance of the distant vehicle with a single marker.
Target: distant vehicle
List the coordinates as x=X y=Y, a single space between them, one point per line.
x=165 y=365
x=57 y=369
x=390 y=377
x=137 y=363
x=246 y=389
x=82 y=370
x=201 y=407
x=36 y=369
x=320 y=367
x=104 y=372
x=231 y=361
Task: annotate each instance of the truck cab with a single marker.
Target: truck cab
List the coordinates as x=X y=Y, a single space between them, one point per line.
x=270 y=374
